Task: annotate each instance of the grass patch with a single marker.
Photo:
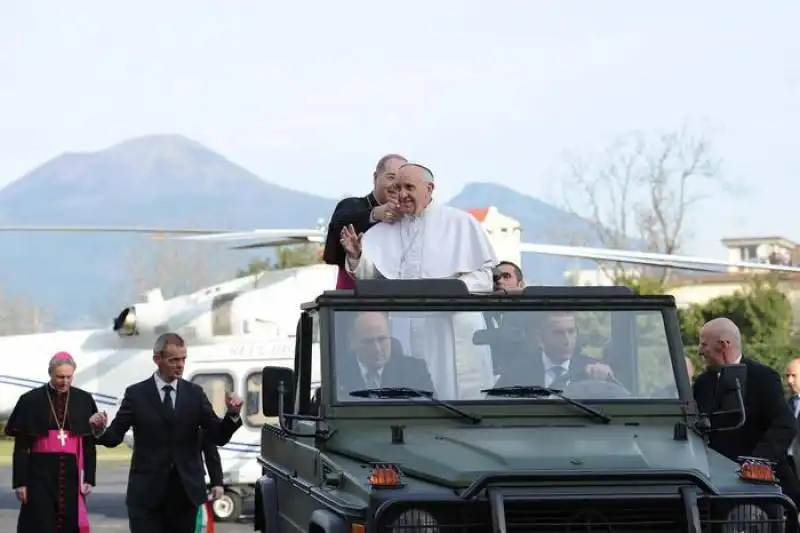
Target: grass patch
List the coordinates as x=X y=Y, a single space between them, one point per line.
x=120 y=454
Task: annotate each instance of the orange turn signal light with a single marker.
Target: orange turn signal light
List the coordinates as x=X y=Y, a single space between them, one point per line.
x=385 y=476
x=753 y=471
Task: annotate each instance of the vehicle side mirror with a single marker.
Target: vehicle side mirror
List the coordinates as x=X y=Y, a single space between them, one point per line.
x=277 y=390
x=729 y=413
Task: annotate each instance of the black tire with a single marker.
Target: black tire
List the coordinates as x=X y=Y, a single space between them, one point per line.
x=228 y=508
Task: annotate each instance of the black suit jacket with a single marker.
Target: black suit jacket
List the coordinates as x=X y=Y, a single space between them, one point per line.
x=528 y=369
x=212 y=459
x=399 y=371
x=355 y=211
x=770 y=426
x=163 y=441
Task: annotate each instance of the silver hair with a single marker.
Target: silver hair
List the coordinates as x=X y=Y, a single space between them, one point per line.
x=167 y=338
x=426 y=171
x=61 y=358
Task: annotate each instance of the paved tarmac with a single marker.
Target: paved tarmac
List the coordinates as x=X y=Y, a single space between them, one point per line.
x=106 y=504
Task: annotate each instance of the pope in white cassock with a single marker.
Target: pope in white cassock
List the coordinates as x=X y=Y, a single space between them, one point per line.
x=431 y=241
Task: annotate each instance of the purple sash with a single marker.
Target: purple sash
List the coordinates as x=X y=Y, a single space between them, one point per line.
x=72 y=445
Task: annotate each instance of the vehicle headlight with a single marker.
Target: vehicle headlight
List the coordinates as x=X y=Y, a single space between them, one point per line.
x=746 y=518
x=415 y=521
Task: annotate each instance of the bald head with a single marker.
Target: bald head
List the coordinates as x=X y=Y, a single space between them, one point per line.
x=793 y=376
x=720 y=342
x=370 y=339
x=414 y=186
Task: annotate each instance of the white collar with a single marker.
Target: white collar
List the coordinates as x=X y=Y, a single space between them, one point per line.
x=160 y=383
x=549 y=363
x=365 y=371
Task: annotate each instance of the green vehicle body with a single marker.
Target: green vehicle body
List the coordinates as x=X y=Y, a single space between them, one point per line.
x=538 y=465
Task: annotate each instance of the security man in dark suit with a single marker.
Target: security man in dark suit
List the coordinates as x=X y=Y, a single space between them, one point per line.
x=166 y=483
x=508 y=275
x=375 y=361
x=793 y=380
x=549 y=357
x=362 y=213
x=769 y=427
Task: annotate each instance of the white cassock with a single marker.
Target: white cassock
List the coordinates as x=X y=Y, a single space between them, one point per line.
x=442 y=242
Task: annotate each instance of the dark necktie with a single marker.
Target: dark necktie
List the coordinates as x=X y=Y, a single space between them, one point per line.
x=373 y=381
x=168 y=398
x=558 y=374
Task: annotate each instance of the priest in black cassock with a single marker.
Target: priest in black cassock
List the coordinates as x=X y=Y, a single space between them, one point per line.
x=54 y=460
x=361 y=212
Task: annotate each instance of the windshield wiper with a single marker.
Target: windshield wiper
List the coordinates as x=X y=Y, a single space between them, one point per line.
x=406 y=393
x=535 y=391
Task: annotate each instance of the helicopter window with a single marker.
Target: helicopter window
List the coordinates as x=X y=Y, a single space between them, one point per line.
x=215 y=386
x=253 y=416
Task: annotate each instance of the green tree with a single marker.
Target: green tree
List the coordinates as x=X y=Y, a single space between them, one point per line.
x=286 y=257
x=760 y=309
x=763 y=314
x=642 y=284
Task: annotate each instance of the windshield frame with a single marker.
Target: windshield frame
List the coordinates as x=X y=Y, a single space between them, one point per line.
x=329 y=304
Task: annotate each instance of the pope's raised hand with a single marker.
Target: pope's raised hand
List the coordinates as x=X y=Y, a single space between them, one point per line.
x=351 y=241
x=98 y=420
x=233 y=403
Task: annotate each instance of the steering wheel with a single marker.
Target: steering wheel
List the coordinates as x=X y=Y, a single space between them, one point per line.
x=596 y=389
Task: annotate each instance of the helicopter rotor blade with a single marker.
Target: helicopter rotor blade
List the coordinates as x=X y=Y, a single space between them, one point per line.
x=681 y=262
x=110 y=229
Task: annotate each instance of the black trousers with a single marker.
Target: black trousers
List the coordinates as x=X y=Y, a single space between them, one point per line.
x=787 y=476
x=176 y=514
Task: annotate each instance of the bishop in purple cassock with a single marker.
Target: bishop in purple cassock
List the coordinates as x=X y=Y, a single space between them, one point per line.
x=54 y=459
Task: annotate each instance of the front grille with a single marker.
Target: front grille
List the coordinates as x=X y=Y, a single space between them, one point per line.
x=586 y=516
x=599 y=516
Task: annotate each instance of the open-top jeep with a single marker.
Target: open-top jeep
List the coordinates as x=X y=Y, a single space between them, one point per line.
x=487 y=439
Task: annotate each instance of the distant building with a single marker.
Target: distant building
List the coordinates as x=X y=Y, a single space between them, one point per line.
x=690 y=287
x=697 y=288
x=775 y=250
x=505 y=233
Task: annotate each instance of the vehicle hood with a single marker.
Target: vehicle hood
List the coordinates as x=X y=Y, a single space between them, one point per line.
x=458 y=456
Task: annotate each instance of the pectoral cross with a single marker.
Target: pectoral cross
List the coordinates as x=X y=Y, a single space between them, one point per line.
x=62 y=437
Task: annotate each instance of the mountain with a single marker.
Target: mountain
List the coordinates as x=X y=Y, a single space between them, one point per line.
x=155 y=181
x=172 y=181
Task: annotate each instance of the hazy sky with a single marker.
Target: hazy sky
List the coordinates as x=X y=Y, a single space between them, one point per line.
x=310 y=96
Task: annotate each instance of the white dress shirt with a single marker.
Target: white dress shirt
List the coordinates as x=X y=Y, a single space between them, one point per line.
x=160 y=384
x=366 y=371
x=549 y=375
